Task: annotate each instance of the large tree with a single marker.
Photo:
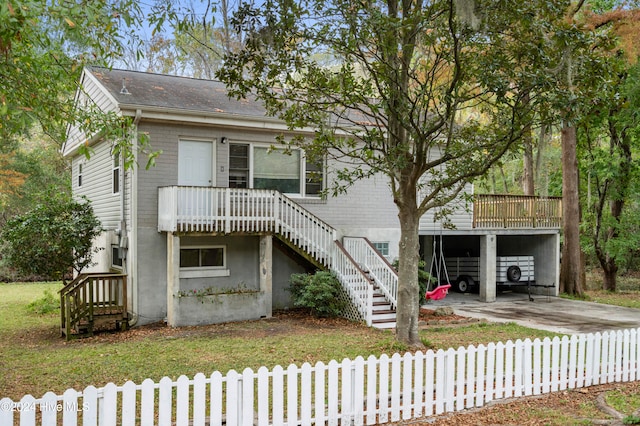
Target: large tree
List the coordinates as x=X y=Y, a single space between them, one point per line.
x=428 y=93
x=43 y=47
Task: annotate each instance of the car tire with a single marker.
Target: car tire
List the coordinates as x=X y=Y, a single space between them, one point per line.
x=514 y=273
x=463 y=284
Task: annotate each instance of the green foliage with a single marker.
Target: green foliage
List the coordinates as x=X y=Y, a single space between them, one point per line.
x=47 y=304
x=631 y=420
x=52 y=238
x=319 y=292
x=43 y=47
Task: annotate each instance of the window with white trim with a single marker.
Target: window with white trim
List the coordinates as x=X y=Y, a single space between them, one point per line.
x=116 y=174
x=262 y=167
x=382 y=247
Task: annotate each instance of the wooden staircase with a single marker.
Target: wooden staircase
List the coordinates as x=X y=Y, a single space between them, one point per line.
x=383 y=314
x=93 y=301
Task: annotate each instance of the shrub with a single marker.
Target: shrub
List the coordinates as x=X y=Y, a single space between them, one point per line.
x=319 y=292
x=47 y=304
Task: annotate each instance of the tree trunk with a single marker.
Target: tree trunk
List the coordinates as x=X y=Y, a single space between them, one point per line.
x=408 y=288
x=528 y=185
x=571 y=278
x=609 y=274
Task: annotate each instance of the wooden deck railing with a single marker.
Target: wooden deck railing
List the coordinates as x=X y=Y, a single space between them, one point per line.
x=89 y=298
x=228 y=210
x=516 y=211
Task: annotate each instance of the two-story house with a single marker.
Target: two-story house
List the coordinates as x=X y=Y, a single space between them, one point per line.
x=213 y=232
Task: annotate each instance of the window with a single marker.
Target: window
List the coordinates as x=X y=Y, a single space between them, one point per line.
x=238 y=166
x=382 y=247
x=203 y=257
x=276 y=169
x=79 y=174
x=116 y=259
x=262 y=167
x=116 y=174
x=313 y=178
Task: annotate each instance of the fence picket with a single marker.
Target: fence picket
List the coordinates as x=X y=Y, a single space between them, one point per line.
x=580 y=376
x=450 y=380
x=129 y=397
x=371 y=400
x=371 y=391
x=27 y=411
x=618 y=356
x=306 y=394
x=215 y=398
x=461 y=358
x=536 y=350
x=509 y=348
x=199 y=399
x=147 y=403
x=263 y=396
x=440 y=378
x=480 y=375
x=383 y=383
x=358 y=391
x=320 y=400
x=625 y=356
x=633 y=356
x=90 y=406
x=471 y=376
x=246 y=394
x=110 y=405
x=292 y=395
x=332 y=397
x=546 y=365
x=527 y=377
x=396 y=386
x=429 y=381
x=490 y=375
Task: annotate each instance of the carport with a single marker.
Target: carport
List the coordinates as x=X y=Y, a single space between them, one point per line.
x=487 y=250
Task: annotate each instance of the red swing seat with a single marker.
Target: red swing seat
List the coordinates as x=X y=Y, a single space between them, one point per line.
x=438 y=293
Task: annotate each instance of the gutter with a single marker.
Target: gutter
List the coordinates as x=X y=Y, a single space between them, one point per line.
x=133 y=240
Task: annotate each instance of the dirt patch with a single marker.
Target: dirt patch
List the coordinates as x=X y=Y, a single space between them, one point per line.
x=431 y=317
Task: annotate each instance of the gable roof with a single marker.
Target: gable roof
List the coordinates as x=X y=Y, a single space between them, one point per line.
x=164 y=97
x=173 y=93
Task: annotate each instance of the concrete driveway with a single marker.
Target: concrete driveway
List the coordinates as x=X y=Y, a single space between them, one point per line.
x=545 y=313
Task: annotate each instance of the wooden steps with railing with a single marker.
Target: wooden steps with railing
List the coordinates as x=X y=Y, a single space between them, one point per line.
x=93 y=301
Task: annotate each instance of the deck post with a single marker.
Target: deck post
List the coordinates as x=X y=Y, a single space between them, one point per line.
x=266 y=272
x=488 y=244
x=173 y=277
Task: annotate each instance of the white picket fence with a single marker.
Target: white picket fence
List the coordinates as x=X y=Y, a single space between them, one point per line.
x=371 y=391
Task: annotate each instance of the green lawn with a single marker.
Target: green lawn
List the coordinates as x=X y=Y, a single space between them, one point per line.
x=35 y=359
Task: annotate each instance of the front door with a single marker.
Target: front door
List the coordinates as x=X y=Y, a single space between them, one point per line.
x=195 y=166
x=195 y=163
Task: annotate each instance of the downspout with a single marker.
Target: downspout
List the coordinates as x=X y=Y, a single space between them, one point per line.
x=132 y=266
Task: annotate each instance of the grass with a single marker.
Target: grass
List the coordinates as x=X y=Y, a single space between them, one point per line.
x=627 y=294
x=35 y=359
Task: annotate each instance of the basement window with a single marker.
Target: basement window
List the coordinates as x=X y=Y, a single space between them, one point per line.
x=204 y=261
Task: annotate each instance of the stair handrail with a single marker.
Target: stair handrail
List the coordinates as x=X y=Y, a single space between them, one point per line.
x=70 y=316
x=355 y=281
x=376 y=265
x=304 y=229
